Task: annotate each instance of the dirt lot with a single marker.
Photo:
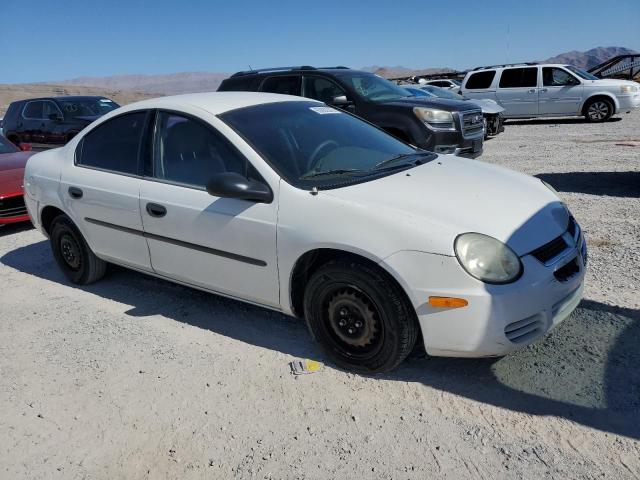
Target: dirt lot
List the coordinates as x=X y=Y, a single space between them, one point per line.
x=139 y=378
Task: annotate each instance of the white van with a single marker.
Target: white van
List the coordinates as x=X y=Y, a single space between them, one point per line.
x=545 y=90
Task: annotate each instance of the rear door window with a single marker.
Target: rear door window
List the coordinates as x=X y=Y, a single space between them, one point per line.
x=114 y=145
x=287 y=85
x=519 y=77
x=480 y=80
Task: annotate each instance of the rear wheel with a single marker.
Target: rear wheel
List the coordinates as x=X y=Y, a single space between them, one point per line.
x=360 y=316
x=74 y=257
x=598 y=110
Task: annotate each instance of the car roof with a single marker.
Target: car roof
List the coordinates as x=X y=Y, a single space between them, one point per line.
x=267 y=72
x=61 y=98
x=215 y=102
x=523 y=65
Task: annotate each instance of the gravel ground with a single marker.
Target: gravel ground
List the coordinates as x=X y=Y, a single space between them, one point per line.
x=138 y=378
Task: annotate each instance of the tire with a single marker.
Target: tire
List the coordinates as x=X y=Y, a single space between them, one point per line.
x=74 y=257
x=360 y=316
x=598 y=110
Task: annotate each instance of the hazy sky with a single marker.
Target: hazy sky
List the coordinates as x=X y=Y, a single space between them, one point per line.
x=46 y=40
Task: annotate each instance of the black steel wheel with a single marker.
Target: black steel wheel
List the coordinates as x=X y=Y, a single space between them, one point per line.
x=360 y=316
x=74 y=257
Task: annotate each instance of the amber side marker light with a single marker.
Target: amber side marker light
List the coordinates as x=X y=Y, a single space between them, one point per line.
x=447 y=302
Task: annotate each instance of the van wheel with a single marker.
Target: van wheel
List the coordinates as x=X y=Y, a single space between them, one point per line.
x=72 y=254
x=360 y=316
x=598 y=110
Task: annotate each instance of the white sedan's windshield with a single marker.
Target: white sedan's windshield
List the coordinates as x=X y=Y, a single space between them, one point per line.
x=311 y=144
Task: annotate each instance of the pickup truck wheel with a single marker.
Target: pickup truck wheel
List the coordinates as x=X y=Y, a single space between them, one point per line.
x=598 y=110
x=360 y=316
x=74 y=257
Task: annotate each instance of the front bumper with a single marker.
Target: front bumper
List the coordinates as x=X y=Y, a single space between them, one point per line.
x=452 y=142
x=628 y=102
x=12 y=208
x=498 y=319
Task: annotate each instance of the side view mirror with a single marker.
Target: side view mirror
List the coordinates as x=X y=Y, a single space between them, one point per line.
x=55 y=117
x=234 y=185
x=340 y=101
x=25 y=147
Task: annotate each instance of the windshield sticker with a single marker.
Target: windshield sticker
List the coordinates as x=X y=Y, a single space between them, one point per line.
x=324 y=110
x=106 y=100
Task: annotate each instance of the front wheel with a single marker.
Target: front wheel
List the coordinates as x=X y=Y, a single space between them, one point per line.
x=598 y=110
x=360 y=316
x=74 y=257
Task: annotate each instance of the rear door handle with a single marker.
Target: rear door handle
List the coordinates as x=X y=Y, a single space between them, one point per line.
x=533 y=90
x=75 y=192
x=156 y=210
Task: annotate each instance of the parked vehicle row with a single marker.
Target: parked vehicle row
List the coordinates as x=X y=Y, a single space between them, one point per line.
x=437 y=124
x=52 y=120
x=548 y=90
x=491 y=110
x=304 y=208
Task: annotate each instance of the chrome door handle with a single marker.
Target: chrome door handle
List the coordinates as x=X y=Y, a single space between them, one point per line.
x=533 y=90
x=544 y=89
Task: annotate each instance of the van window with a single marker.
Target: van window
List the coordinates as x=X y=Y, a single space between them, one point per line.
x=519 y=77
x=33 y=110
x=480 y=80
x=287 y=85
x=557 y=77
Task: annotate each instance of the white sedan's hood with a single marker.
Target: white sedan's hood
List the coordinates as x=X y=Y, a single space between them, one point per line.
x=428 y=206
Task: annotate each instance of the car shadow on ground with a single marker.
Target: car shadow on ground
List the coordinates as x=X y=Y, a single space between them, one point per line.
x=554 y=121
x=11 y=228
x=587 y=370
x=613 y=184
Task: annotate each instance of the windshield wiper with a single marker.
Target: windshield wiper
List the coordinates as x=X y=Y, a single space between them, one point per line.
x=335 y=171
x=402 y=156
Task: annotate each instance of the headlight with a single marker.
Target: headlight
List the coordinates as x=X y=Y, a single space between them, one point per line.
x=487 y=259
x=628 y=89
x=439 y=119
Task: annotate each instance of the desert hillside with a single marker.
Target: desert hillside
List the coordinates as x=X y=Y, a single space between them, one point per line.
x=12 y=92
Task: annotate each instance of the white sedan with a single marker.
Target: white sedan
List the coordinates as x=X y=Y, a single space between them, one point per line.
x=295 y=206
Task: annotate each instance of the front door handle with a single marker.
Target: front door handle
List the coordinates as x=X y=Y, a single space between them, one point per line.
x=75 y=192
x=156 y=210
x=544 y=90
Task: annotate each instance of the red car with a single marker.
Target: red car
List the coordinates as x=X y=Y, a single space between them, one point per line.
x=12 y=163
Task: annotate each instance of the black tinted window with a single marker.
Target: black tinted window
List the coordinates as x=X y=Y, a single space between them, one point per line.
x=480 y=79
x=289 y=85
x=50 y=108
x=519 y=77
x=191 y=153
x=33 y=110
x=114 y=145
x=321 y=89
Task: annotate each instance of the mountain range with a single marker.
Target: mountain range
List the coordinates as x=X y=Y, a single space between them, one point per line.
x=187 y=82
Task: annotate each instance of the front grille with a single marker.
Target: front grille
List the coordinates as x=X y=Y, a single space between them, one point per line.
x=12 y=207
x=472 y=123
x=567 y=271
x=550 y=250
x=525 y=330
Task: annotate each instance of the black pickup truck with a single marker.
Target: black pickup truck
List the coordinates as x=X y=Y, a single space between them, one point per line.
x=436 y=124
